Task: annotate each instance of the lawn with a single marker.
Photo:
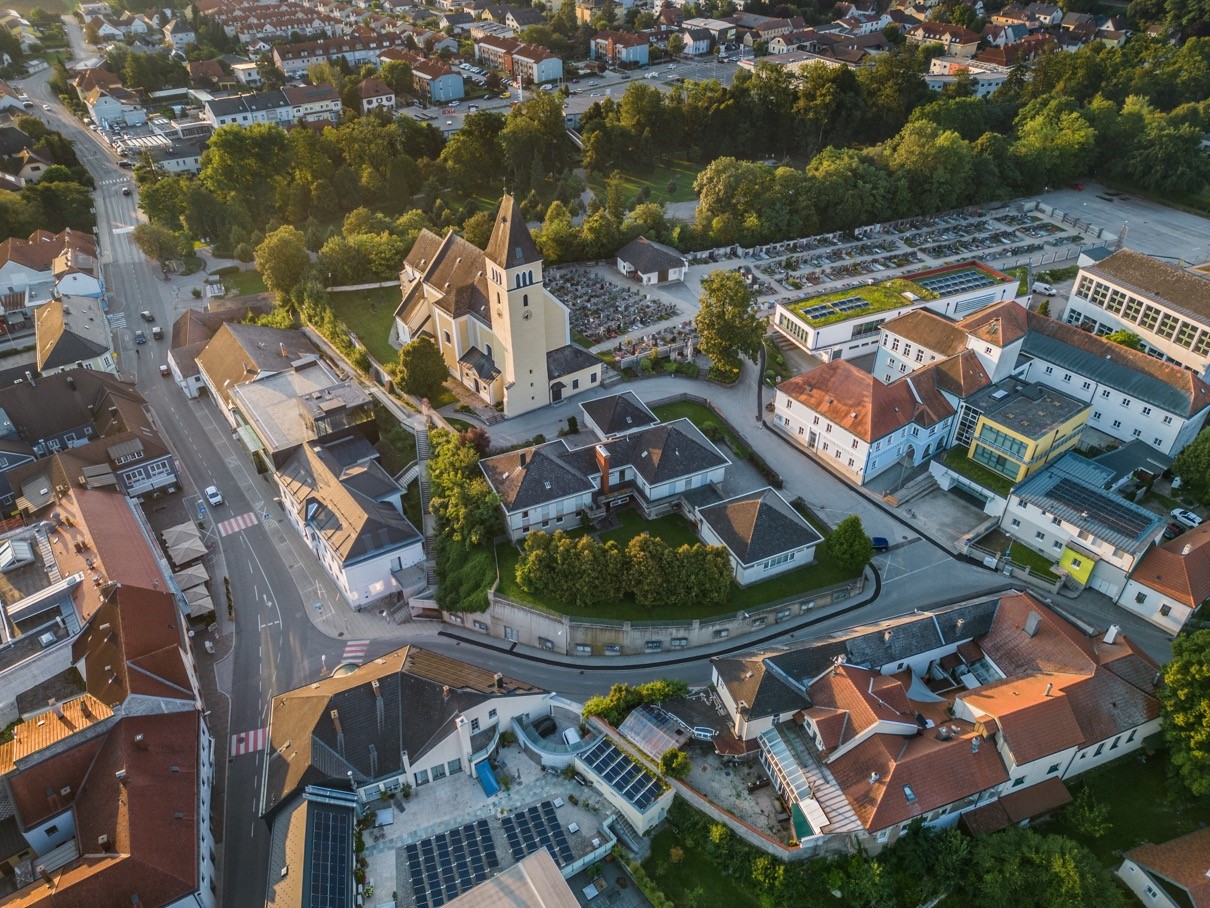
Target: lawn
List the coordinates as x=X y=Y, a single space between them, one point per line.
x=694 y=879
x=957 y=461
x=368 y=314
x=675 y=531
x=702 y=417
x=245 y=283
x=1021 y=273
x=999 y=542
x=1144 y=806
x=1058 y=275
x=396 y=444
x=682 y=173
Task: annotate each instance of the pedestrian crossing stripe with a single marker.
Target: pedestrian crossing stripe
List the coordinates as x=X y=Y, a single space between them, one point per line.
x=248 y=742
x=235 y=524
x=355 y=651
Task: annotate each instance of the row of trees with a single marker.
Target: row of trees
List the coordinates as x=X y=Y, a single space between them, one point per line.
x=582 y=572
x=62 y=198
x=623 y=699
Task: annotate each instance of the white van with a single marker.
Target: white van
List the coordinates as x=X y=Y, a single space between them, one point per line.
x=571 y=737
x=1043 y=288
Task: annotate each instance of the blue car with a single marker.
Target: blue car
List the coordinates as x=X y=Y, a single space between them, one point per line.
x=880 y=543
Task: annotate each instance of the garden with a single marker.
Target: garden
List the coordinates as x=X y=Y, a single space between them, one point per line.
x=369 y=314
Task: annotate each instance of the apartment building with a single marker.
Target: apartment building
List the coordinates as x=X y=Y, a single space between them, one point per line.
x=286 y=106
x=355 y=51
x=1166 y=306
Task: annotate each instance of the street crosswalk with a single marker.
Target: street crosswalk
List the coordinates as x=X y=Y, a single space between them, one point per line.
x=235 y=524
x=117 y=320
x=115 y=181
x=355 y=651
x=248 y=742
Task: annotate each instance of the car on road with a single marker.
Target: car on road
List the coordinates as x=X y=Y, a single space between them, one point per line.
x=880 y=543
x=164 y=370
x=1173 y=529
x=1188 y=518
x=213 y=495
x=146 y=316
x=125 y=190
x=46 y=107
x=126 y=165
x=158 y=333
x=140 y=337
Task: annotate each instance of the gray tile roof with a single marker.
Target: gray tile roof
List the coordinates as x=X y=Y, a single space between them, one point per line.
x=749 y=680
x=568 y=360
x=759 y=525
x=511 y=244
x=534 y=476
x=649 y=257
x=668 y=451
x=618 y=413
x=70 y=330
x=480 y=362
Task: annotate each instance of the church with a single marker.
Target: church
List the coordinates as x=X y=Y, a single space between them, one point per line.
x=502 y=333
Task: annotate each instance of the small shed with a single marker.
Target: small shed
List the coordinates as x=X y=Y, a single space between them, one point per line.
x=649 y=263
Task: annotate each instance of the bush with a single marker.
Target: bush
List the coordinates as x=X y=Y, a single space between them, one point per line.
x=622 y=699
x=197 y=293
x=714 y=431
x=690 y=370
x=675 y=763
x=466 y=575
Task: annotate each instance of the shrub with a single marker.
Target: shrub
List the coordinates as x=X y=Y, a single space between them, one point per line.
x=675 y=763
x=197 y=293
x=622 y=699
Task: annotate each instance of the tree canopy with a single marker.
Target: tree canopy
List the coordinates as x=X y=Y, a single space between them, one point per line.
x=1185 y=700
x=1192 y=465
x=727 y=322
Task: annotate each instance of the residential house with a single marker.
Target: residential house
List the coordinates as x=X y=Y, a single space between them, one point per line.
x=1172 y=874
x=375 y=94
x=547 y=487
x=984 y=78
x=349 y=511
x=1167 y=307
x=619 y=48
x=191 y=332
x=496 y=52
x=533 y=64
x=436 y=82
x=957 y=41
x=521 y=18
x=1064 y=513
x=238 y=353
x=289 y=105
x=115 y=105
x=698 y=41
x=501 y=332
x=1001 y=35
x=721 y=31
x=944 y=717
x=47 y=264
x=412 y=717
x=294 y=59
x=459 y=22
x=209 y=73
x=648 y=262
x=617 y=414
x=72 y=332
x=1047 y=15
x=179 y=34
x=105 y=29
x=1171 y=581
x=763 y=535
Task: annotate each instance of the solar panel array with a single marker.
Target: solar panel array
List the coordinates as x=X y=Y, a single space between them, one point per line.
x=534 y=828
x=850 y=304
x=444 y=866
x=653 y=730
x=331 y=858
x=817 y=312
x=956 y=282
x=622 y=774
x=1098 y=506
x=834 y=307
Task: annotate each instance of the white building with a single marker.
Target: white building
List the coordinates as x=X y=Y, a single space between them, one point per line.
x=1171 y=582
x=73 y=332
x=761 y=532
x=650 y=263
x=294 y=103
x=1169 y=875
x=1166 y=306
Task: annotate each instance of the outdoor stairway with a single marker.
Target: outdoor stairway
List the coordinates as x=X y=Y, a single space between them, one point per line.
x=783 y=341
x=610 y=377
x=824 y=787
x=917 y=488
x=48 y=557
x=423 y=452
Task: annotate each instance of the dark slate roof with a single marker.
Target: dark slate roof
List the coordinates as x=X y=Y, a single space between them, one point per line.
x=618 y=413
x=454 y=270
x=666 y=452
x=648 y=257
x=250 y=103
x=482 y=364
x=511 y=244
x=568 y=360
x=70 y=330
x=1132 y=456
x=759 y=525
x=752 y=681
x=415 y=716
x=533 y=476
x=239 y=353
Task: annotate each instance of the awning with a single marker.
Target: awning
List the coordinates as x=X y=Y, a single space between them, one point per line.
x=181 y=534
x=98 y=476
x=128 y=448
x=201 y=607
x=196 y=594
x=183 y=554
x=191 y=577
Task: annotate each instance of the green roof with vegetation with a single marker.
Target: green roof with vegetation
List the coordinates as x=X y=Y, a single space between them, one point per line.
x=881 y=297
x=957 y=461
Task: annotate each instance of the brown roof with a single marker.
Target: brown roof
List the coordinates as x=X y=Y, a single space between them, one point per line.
x=132 y=645
x=39 y=252
x=239 y=353
x=1001 y=324
x=210 y=70
x=960 y=375
x=54 y=725
x=452 y=268
x=929 y=330
x=1013 y=808
x=1179 y=568
x=72 y=399
x=1157 y=280
x=865 y=696
x=374 y=87
x=1184 y=862
x=63 y=771
x=1034 y=715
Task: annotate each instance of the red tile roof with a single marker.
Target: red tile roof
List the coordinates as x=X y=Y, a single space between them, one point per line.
x=853 y=399
x=1034 y=715
x=1001 y=324
x=1184 y=861
x=1179 y=568
x=866 y=697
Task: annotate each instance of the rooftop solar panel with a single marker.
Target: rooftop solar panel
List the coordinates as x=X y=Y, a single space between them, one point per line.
x=1100 y=508
x=626 y=777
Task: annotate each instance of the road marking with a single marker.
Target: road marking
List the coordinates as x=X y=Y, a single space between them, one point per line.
x=355 y=651
x=235 y=524
x=249 y=742
x=117 y=320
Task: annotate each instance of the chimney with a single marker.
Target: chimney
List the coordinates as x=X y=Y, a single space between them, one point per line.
x=522 y=458
x=377 y=690
x=120 y=775
x=140 y=743
x=603 y=463
x=55 y=707
x=44 y=874
x=1111 y=635
x=499 y=681
x=974 y=745
x=335 y=714
x=445 y=691
x=874 y=777
x=1032 y=623
x=1187 y=548
x=103 y=844
x=282 y=348
x=1049 y=688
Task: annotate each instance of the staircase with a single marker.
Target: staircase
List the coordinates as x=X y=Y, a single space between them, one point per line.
x=917 y=488
x=783 y=341
x=48 y=557
x=610 y=377
x=423 y=452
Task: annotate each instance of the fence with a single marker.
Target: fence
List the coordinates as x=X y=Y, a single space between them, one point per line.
x=349 y=288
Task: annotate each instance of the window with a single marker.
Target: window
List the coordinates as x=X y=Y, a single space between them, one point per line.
x=474 y=725
x=1130 y=737
x=438 y=771
x=1137 y=432
x=1104 y=393
x=850 y=461
x=1117 y=424
x=575 y=384
x=895 y=344
x=1146 y=411
x=1017 y=783
x=446 y=335
x=1054 y=767
x=1087 y=385
x=1056 y=544
x=854 y=444
x=815 y=421
x=909 y=794
x=1016 y=522
x=422 y=777
x=1039 y=535
x=491 y=714
x=1077 y=563
x=52 y=829
x=1114 y=745
x=1100 y=747
x=1050 y=370
x=1066 y=376
x=1157 y=442
x=828 y=429
x=1125 y=401
x=919 y=356
x=1165 y=611
x=592 y=379
x=583 y=649
x=1096 y=414
x=1167 y=420
x=454 y=766
x=907 y=349
x=1056 y=521
x=903 y=368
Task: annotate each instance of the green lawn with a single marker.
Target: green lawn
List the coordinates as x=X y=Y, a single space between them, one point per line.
x=682 y=173
x=957 y=461
x=1058 y=275
x=245 y=283
x=396 y=444
x=1021 y=273
x=880 y=297
x=368 y=314
x=1144 y=806
x=694 y=871
x=999 y=542
x=675 y=531
x=702 y=417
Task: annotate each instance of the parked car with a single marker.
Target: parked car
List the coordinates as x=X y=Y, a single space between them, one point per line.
x=46 y=107
x=158 y=333
x=146 y=315
x=126 y=165
x=704 y=732
x=880 y=543
x=140 y=337
x=1173 y=529
x=214 y=496
x=1043 y=288
x=1188 y=518
x=571 y=737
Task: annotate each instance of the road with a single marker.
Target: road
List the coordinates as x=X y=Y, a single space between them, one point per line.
x=275 y=584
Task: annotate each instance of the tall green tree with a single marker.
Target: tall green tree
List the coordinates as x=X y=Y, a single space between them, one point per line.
x=1185 y=703
x=282 y=260
x=727 y=323
x=422 y=368
x=1192 y=465
x=1125 y=339
x=849 y=545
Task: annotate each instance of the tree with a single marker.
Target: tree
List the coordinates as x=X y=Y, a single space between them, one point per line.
x=1185 y=706
x=160 y=243
x=676 y=44
x=729 y=327
x=422 y=368
x=283 y=260
x=465 y=507
x=849 y=546
x=1125 y=338
x=1192 y=465
x=675 y=763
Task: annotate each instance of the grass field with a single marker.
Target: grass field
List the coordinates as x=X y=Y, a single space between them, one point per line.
x=682 y=173
x=701 y=416
x=1144 y=806
x=245 y=283
x=694 y=879
x=368 y=314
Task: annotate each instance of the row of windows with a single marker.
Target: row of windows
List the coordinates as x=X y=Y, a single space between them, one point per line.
x=1010 y=445
x=440 y=771
x=1148 y=317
